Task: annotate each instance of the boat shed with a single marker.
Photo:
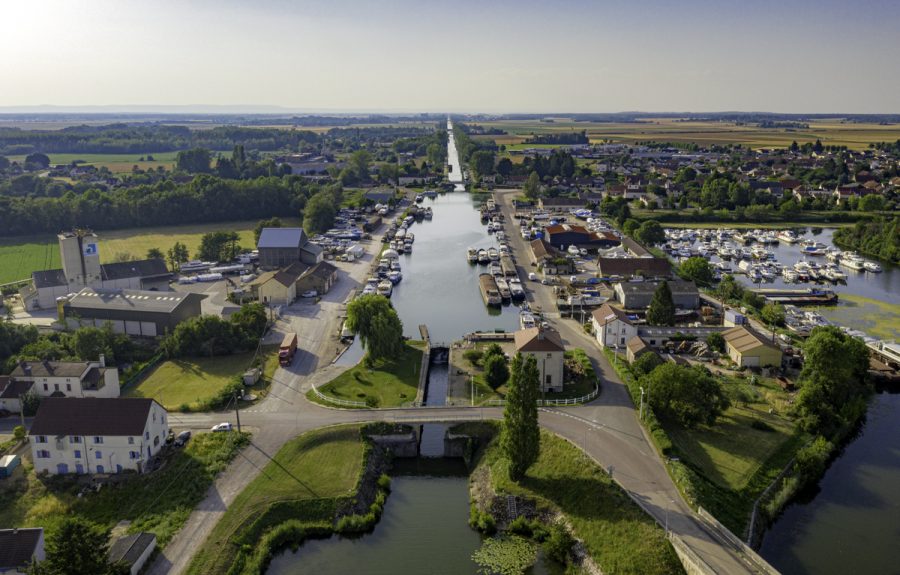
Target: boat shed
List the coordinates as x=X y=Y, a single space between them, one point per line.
x=747 y=348
x=132 y=312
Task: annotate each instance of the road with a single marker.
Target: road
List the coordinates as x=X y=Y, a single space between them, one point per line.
x=607 y=429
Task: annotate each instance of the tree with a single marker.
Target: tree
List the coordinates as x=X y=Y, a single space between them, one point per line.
x=697 y=270
x=4 y=163
x=496 y=372
x=358 y=163
x=520 y=438
x=249 y=322
x=870 y=203
x=270 y=223
x=77 y=547
x=789 y=208
x=650 y=232
x=532 y=187
x=378 y=326
x=482 y=163
x=19 y=432
x=493 y=349
x=662 y=308
x=154 y=254
x=833 y=382
x=388 y=173
x=37 y=161
x=504 y=167
x=630 y=227
x=687 y=395
x=177 y=255
x=645 y=363
x=716 y=342
x=219 y=246
x=88 y=343
x=193 y=161
x=318 y=216
x=773 y=315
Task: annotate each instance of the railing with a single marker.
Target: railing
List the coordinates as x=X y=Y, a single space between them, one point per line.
x=554 y=402
x=742 y=547
x=337 y=400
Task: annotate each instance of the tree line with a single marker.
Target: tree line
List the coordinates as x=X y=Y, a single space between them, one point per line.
x=879 y=238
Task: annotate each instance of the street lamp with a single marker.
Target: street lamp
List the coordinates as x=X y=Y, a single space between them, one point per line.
x=641 y=416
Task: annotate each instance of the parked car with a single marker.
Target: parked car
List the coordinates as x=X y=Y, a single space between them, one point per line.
x=532 y=276
x=310 y=293
x=224 y=426
x=184 y=436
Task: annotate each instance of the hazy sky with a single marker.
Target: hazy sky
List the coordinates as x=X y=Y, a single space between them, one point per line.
x=464 y=55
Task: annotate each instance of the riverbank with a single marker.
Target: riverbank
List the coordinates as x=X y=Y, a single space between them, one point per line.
x=565 y=486
x=729 y=219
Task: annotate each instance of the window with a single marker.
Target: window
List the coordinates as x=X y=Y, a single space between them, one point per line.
x=146 y=435
x=68 y=387
x=549 y=379
x=98 y=440
x=98 y=454
x=130 y=441
x=55 y=387
x=154 y=417
x=156 y=440
x=134 y=454
x=163 y=418
x=46 y=387
x=40 y=439
x=43 y=454
x=74 y=439
x=623 y=341
x=549 y=355
x=77 y=454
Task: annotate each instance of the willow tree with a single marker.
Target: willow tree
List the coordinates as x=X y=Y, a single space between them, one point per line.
x=377 y=325
x=521 y=436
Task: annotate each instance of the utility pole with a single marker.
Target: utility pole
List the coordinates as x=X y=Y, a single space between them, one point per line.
x=237 y=412
x=22 y=413
x=472 y=394
x=641 y=413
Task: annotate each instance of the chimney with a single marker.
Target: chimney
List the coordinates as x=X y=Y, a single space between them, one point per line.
x=102 y=360
x=26 y=367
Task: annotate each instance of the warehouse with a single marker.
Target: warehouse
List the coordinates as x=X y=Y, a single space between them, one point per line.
x=638 y=295
x=561 y=236
x=132 y=312
x=280 y=247
x=747 y=348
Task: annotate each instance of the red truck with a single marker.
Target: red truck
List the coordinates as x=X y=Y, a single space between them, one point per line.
x=288 y=349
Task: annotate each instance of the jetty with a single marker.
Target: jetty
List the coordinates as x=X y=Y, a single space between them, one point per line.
x=811 y=296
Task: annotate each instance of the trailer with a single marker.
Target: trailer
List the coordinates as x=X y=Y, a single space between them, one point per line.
x=288 y=349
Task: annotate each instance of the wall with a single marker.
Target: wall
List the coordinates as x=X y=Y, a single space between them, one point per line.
x=400 y=445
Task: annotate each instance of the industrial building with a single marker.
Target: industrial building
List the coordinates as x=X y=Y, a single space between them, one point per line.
x=638 y=295
x=747 y=348
x=132 y=312
x=561 y=236
x=81 y=268
x=280 y=247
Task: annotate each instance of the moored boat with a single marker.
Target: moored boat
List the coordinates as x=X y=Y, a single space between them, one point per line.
x=503 y=288
x=489 y=291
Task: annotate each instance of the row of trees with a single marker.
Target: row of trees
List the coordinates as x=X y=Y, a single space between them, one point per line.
x=879 y=238
x=19 y=343
x=210 y=335
x=204 y=199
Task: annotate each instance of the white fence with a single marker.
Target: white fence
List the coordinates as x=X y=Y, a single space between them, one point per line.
x=554 y=402
x=337 y=400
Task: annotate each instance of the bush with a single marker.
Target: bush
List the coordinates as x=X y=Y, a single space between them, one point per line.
x=384 y=483
x=473 y=356
x=481 y=521
x=496 y=372
x=558 y=544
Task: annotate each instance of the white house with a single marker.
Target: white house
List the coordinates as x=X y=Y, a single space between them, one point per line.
x=612 y=328
x=18 y=548
x=97 y=435
x=67 y=379
x=547 y=348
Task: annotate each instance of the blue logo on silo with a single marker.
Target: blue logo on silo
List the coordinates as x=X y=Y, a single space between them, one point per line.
x=90 y=249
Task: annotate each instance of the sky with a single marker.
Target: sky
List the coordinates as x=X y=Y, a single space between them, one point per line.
x=454 y=56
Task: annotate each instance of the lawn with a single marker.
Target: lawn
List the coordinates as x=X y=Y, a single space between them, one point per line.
x=388 y=383
x=301 y=482
x=22 y=255
x=159 y=502
x=192 y=382
x=619 y=536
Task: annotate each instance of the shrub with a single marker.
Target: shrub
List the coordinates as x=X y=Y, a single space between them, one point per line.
x=473 y=356
x=558 y=544
x=384 y=482
x=481 y=521
x=496 y=372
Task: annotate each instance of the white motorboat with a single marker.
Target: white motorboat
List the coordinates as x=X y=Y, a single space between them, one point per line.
x=472 y=255
x=872 y=267
x=790 y=275
x=385 y=288
x=788 y=237
x=493 y=254
x=483 y=256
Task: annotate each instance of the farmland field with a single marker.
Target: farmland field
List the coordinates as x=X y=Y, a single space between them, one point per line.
x=21 y=256
x=116 y=163
x=831 y=132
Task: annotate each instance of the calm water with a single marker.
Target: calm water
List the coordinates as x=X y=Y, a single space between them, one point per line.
x=852 y=524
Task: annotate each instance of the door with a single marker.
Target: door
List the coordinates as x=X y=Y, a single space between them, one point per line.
x=62 y=468
x=100 y=469
x=118 y=468
x=79 y=469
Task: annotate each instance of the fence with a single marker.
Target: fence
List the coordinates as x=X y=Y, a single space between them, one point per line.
x=136 y=378
x=554 y=402
x=742 y=547
x=337 y=400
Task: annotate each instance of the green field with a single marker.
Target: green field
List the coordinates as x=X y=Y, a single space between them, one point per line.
x=619 y=536
x=386 y=384
x=666 y=129
x=311 y=469
x=116 y=163
x=159 y=502
x=21 y=256
x=192 y=382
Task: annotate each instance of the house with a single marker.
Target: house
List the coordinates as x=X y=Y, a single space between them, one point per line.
x=612 y=326
x=281 y=247
x=549 y=259
x=133 y=550
x=561 y=236
x=97 y=435
x=638 y=295
x=635 y=348
x=320 y=277
x=11 y=392
x=560 y=204
x=628 y=267
x=748 y=348
x=19 y=548
x=380 y=195
x=132 y=312
x=80 y=257
x=547 y=348
x=66 y=379
x=278 y=287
